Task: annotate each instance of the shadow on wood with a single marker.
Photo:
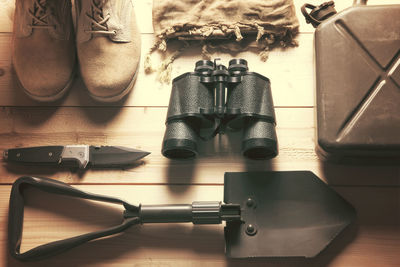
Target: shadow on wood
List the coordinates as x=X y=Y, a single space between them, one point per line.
x=345 y=174
x=180 y=168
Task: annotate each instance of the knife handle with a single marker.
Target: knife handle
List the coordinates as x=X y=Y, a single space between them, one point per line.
x=40 y=154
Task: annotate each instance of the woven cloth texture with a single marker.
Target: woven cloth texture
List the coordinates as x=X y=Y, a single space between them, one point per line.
x=270 y=21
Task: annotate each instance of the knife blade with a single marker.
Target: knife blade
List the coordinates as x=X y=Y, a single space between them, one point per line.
x=80 y=155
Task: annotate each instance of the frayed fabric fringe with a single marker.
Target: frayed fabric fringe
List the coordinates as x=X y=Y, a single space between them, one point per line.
x=164 y=70
x=230 y=39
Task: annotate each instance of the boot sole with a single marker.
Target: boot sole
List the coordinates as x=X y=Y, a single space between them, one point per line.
x=50 y=98
x=119 y=96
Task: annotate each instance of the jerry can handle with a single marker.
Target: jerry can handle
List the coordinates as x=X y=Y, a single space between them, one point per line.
x=319 y=13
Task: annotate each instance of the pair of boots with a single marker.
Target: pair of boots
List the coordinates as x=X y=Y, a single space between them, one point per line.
x=45 y=47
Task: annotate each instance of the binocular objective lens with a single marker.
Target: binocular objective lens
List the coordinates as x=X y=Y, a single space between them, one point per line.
x=259 y=139
x=180 y=140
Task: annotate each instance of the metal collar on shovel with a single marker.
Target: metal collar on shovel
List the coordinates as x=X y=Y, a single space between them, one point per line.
x=267 y=214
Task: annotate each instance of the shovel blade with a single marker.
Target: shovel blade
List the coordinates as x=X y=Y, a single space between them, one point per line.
x=284 y=214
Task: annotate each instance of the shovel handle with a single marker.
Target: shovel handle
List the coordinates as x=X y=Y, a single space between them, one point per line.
x=16 y=217
x=203 y=212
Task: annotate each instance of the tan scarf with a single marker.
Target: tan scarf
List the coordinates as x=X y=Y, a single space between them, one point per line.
x=232 y=25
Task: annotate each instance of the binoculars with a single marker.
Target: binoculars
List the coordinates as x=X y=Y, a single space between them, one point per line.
x=215 y=97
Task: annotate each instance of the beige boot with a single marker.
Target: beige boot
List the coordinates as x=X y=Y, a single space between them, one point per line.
x=108 y=44
x=43 y=51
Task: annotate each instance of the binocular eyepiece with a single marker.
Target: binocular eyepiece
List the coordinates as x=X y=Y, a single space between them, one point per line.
x=217 y=97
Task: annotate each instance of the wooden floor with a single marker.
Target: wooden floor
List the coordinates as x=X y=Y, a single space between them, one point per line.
x=139 y=122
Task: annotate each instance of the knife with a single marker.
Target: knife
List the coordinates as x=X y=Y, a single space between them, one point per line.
x=81 y=155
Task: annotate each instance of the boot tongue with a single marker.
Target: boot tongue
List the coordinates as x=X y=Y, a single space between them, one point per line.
x=121 y=16
x=118 y=20
x=98 y=15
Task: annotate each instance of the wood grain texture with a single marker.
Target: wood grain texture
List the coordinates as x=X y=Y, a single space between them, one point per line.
x=291 y=82
x=377 y=230
x=143 y=128
x=138 y=122
x=290 y=70
x=143 y=9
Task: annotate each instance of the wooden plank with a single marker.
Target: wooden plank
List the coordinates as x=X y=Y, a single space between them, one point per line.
x=143 y=9
x=143 y=128
x=158 y=180
x=377 y=229
x=290 y=71
x=6 y=15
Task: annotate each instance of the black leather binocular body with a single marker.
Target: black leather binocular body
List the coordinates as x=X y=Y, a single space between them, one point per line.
x=220 y=97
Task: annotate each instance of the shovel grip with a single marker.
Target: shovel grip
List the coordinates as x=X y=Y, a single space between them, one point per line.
x=199 y=212
x=16 y=217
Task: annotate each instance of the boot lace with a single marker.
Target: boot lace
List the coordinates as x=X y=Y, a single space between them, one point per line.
x=98 y=20
x=40 y=13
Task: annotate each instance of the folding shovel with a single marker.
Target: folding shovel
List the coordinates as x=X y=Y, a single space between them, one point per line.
x=267 y=214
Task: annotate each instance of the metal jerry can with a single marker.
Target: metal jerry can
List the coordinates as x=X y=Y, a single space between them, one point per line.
x=357 y=70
